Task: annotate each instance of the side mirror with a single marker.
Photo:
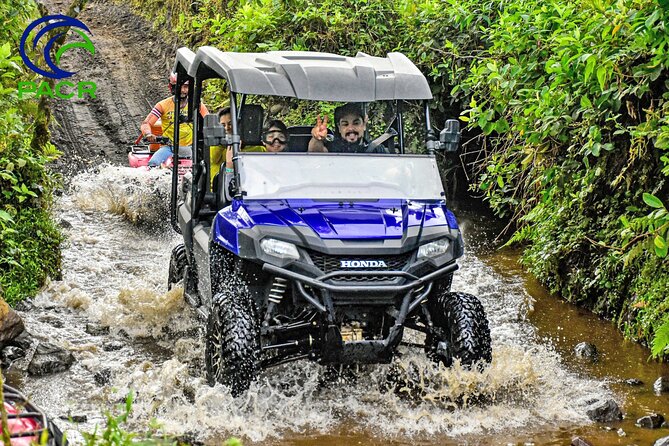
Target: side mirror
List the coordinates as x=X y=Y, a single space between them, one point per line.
x=449 y=138
x=213 y=131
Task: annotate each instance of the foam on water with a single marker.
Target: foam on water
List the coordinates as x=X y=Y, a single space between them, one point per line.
x=115 y=275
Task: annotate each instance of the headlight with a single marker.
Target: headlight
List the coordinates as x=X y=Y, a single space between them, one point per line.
x=434 y=249
x=277 y=248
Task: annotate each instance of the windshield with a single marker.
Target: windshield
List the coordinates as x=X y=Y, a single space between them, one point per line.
x=339 y=176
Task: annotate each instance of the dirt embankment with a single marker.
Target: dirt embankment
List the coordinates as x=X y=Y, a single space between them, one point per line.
x=130 y=68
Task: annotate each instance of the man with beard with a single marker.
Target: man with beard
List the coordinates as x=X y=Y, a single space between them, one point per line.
x=164 y=110
x=351 y=124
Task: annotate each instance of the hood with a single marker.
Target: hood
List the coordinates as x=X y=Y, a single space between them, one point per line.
x=349 y=220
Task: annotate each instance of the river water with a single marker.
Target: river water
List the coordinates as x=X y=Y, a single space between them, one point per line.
x=114 y=275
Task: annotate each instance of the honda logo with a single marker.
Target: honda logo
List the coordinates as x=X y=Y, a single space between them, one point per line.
x=363 y=264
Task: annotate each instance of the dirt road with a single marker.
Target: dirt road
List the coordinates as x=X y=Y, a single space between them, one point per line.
x=130 y=68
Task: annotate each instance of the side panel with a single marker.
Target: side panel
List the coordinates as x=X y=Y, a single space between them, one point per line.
x=201 y=254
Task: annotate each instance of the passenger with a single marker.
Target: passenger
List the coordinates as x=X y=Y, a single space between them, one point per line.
x=275 y=139
x=164 y=110
x=351 y=124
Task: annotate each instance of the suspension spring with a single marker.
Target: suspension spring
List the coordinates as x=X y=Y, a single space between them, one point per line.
x=275 y=297
x=278 y=290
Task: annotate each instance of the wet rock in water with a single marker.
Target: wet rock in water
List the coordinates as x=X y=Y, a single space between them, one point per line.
x=661 y=385
x=24 y=341
x=633 y=382
x=74 y=418
x=65 y=224
x=652 y=421
x=664 y=441
x=52 y=320
x=49 y=358
x=96 y=330
x=586 y=350
x=604 y=412
x=11 y=324
x=10 y=354
x=190 y=438
x=112 y=346
x=102 y=377
x=24 y=305
x=578 y=441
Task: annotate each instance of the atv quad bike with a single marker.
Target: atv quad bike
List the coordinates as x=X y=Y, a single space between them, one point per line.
x=325 y=256
x=27 y=424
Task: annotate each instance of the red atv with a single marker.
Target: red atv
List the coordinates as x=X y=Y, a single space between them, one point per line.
x=27 y=424
x=140 y=154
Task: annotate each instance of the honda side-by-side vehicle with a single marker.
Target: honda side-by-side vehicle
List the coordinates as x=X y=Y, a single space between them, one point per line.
x=323 y=256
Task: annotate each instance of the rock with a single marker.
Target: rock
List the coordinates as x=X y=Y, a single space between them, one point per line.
x=605 y=412
x=664 y=441
x=652 y=421
x=102 y=377
x=96 y=330
x=24 y=341
x=661 y=385
x=586 y=350
x=24 y=305
x=10 y=354
x=633 y=382
x=578 y=441
x=112 y=346
x=11 y=324
x=74 y=418
x=52 y=320
x=65 y=224
x=49 y=358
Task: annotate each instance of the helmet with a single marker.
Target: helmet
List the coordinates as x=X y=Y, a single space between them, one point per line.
x=173 y=82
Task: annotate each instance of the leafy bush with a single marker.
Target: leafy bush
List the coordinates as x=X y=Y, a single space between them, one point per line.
x=29 y=241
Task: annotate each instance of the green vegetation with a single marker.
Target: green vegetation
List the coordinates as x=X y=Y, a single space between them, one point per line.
x=29 y=240
x=567 y=110
x=115 y=433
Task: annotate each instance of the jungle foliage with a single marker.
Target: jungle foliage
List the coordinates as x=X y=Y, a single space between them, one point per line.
x=29 y=240
x=567 y=108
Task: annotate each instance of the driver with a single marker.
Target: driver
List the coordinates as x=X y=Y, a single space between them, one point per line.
x=351 y=125
x=164 y=110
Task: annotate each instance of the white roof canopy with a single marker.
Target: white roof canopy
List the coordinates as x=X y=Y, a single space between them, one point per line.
x=309 y=75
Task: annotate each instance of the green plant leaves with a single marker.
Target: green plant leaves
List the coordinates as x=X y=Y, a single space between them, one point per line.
x=660 y=340
x=660 y=246
x=652 y=201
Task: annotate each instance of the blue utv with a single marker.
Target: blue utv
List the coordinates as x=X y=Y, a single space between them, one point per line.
x=323 y=256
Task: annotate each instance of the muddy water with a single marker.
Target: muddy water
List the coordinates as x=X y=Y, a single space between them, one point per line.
x=115 y=270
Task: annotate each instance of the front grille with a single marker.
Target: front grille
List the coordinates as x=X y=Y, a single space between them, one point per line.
x=329 y=263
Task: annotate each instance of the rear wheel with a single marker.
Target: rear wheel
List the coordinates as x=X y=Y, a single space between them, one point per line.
x=232 y=347
x=460 y=330
x=178 y=264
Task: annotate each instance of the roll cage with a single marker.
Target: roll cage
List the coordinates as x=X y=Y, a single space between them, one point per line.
x=302 y=75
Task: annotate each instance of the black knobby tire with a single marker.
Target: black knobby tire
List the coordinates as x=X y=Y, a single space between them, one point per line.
x=232 y=345
x=460 y=321
x=178 y=264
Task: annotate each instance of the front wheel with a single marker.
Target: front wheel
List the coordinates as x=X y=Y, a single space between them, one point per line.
x=460 y=330
x=178 y=264
x=232 y=346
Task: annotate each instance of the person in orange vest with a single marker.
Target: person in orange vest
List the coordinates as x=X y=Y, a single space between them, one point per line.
x=164 y=110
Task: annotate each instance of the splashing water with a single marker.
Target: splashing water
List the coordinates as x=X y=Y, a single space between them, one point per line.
x=115 y=273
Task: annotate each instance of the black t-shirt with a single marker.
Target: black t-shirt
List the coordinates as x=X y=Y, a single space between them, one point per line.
x=339 y=145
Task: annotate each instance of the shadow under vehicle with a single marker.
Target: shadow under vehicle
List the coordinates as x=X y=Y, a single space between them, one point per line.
x=325 y=256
